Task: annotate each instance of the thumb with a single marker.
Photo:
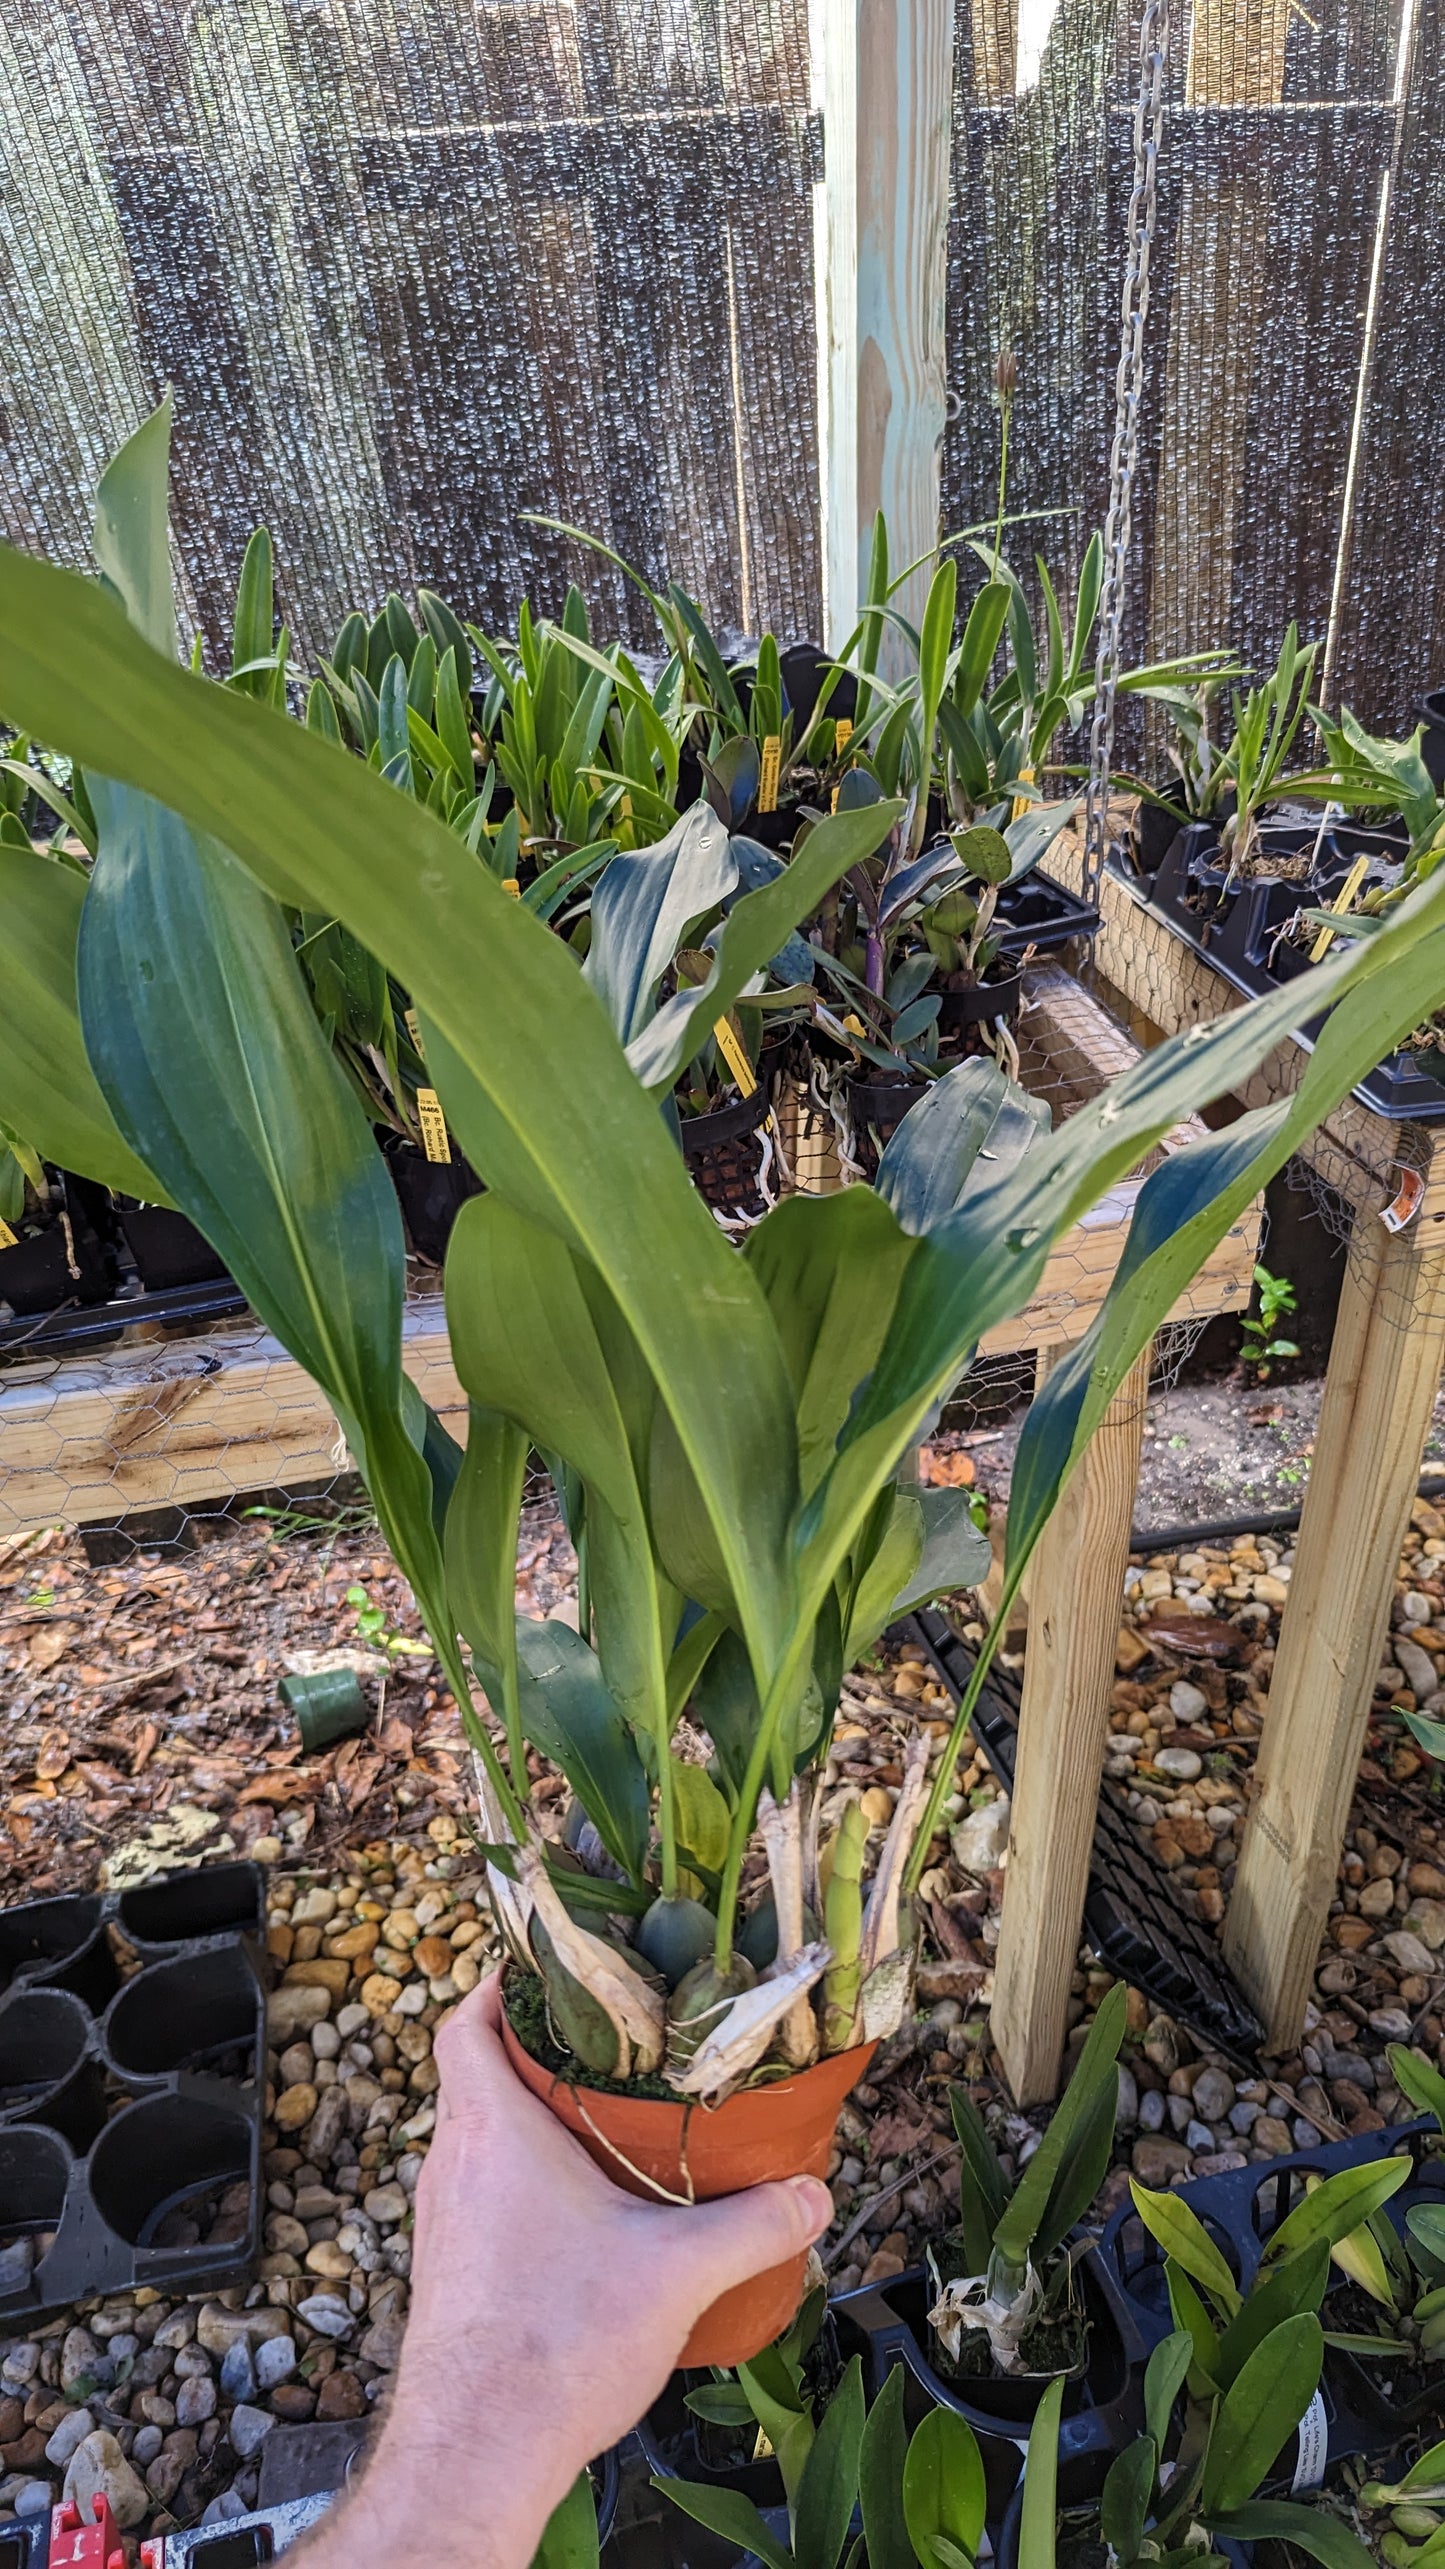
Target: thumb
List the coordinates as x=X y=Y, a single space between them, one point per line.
x=724 y=2242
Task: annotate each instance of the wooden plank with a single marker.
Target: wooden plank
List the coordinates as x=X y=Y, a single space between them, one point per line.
x=1379 y=1394
x=1137 y=954
x=162 y=1422
x=1076 y=1584
x=883 y=76
x=159 y=1422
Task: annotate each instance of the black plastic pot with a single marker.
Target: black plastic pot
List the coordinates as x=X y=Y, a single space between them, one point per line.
x=431 y=1193
x=992 y=1003
x=703 y=1133
x=804 y=667
x=879 y=1105
x=168 y=1250
x=1153 y=832
x=35 y=1275
x=129 y=2106
x=1103 y=2405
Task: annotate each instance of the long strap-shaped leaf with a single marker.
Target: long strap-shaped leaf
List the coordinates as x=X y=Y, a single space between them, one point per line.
x=48 y=1091
x=199 y=1027
x=562 y=1128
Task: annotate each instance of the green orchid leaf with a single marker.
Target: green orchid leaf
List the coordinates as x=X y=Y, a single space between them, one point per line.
x=1260 y=2411
x=1183 y=2237
x=1307 y=2529
x=1072 y=2160
x=569 y=1715
x=1037 y=2544
x=1124 y=2505
x=729 y=2513
x=944 y=2493
x=880 y=2478
x=644 y=903
x=828 y=2490
x=47 y=1087
x=974 y=1125
x=1337 y=2207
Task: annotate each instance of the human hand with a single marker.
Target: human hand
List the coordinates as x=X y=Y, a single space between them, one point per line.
x=547 y=2310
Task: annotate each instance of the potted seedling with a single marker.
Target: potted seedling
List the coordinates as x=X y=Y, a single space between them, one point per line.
x=1412 y=2535
x=1186 y=2498
x=1009 y=2310
x=1226 y=2317
x=732 y=1430
x=1385 y=2313
x=856 y=2482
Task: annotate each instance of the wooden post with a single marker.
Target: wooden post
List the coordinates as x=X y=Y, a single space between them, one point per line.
x=1076 y=1598
x=883 y=80
x=1383 y=1376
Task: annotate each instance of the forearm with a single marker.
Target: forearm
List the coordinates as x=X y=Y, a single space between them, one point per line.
x=433 y=2498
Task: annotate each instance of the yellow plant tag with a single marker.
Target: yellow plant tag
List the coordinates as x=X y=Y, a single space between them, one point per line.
x=435 y=1140
x=412 y=1023
x=1021 y=801
x=842 y=733
x=8 y=1238
x=768 y=780
x=735 y=1055
x=1340 y=904
x=510 y=884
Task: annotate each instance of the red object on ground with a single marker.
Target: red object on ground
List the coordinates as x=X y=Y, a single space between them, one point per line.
x=781 y=2131
x=77 y=2545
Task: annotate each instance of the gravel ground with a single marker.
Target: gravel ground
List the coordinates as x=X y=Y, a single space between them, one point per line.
x=378 y=1926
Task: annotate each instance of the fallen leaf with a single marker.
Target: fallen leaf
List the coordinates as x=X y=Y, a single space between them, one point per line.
x=53 y=1756
x=145 y=1747
x=50 y=1645
x=892 y=2136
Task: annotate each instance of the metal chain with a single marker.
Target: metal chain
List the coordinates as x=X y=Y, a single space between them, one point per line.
x=1128 y=396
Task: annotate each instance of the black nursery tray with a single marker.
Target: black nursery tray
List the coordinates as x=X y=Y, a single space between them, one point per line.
x=1237 y=933
x=1043 y=914
x=129 y=2106
x=1103 y=2409
x=1133 y=1915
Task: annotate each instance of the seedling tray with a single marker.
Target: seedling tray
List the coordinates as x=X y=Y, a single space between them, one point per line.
x=1133 y=1916
x=1237 y=933
x=1240 y=2210
x=132 y=2029
x=887 y=2324
x=1039 y=913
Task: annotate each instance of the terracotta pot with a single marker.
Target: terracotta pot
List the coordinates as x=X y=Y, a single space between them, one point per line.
x=781 y=2131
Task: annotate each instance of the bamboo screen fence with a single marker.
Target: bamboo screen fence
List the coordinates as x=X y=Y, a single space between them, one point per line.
x=416 y=266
